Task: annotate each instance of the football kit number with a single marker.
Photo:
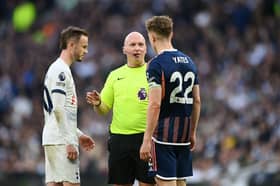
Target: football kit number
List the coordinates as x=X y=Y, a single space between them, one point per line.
x=186 y=99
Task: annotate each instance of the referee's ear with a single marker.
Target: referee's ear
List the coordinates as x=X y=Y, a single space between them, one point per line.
x=123 y=49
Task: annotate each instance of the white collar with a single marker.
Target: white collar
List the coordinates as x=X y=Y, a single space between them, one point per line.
x=167 y=50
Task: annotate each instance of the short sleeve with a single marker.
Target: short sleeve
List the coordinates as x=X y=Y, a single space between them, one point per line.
x=107 y=93
x=59 y=82
x=196 y=80
x=154 y=74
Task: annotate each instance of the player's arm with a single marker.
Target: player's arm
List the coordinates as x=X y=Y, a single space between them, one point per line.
x=85 y=141
x=154 y=75
x=152 y=119
x=195 y=113
x=153 y=111
x=58 y=108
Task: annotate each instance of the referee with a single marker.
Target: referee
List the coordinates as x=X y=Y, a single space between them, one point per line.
x=125 y=92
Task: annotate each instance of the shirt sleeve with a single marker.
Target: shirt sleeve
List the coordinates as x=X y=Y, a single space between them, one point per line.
x=196 y=79
x=107 y=93
x=59 y=82
x=154 y=74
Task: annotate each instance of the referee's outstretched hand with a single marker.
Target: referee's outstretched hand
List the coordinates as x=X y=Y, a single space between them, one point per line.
x=93 y=98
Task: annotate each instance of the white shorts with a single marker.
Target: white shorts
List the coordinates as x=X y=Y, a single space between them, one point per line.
x=58 y=168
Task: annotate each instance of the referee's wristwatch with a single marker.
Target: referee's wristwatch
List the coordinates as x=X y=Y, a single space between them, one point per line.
x=98 y=104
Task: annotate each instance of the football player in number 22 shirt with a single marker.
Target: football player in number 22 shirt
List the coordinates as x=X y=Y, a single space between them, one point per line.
x=173 y=108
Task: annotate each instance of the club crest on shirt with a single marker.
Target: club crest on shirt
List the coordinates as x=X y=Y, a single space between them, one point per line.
x=61 y=76
x=142 y=94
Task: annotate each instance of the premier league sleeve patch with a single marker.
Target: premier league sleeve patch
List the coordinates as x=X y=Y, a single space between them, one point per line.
x=142 y=94
x=60 y=82
x=61 y=76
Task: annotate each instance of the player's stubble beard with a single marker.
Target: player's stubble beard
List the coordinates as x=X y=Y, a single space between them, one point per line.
x=78 y=57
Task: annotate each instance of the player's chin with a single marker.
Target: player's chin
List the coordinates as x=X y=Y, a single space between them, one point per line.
x=80 y=59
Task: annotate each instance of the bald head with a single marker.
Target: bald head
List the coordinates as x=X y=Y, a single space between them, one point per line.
x=135 y=49
x=133 y=36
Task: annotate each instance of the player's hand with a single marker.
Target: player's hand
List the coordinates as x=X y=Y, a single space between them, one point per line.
x=145 y=150
x=193 y=141
x=72 y=153
x=93 y=98
x=86 y=142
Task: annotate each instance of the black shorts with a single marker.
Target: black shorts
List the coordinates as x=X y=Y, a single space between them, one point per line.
x=124 y=161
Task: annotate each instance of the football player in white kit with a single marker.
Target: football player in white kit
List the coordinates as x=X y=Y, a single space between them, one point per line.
x=61 y=136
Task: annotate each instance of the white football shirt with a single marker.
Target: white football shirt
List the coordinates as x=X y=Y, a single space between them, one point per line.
x=59 y=85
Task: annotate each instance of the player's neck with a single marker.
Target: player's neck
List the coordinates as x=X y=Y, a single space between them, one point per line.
x=161 y=46
x=66 y=57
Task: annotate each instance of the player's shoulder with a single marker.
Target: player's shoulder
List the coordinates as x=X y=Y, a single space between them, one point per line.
x=163 y=56
x=186 y=55
x=58 y=66
x=186 y=58
x=58 y=71
x=155 y=60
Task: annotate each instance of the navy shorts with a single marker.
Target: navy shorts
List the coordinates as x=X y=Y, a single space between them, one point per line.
x=125 y=164
x=172 y=162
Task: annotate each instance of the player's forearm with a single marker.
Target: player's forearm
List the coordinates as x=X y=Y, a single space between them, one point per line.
x=61 y=121
x=59 y=112
x=152 y=120
x=195 y=116
x=153 y=111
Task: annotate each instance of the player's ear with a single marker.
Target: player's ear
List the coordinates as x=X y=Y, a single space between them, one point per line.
x=153 y=37
x=71 y=43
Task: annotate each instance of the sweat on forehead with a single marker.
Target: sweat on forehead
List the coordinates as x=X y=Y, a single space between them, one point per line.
x=133 y=35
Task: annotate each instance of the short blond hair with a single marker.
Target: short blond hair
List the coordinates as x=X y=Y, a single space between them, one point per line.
x=161 y=25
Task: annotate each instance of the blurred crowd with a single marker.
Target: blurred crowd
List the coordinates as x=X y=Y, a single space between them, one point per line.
x=235 y=44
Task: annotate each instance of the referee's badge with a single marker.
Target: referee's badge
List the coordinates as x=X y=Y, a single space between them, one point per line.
x=142 y=94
